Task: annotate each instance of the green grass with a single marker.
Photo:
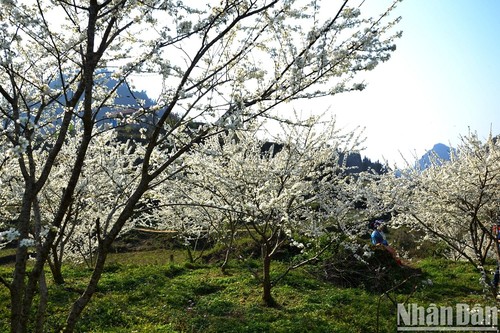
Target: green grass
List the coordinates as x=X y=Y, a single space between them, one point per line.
x=145 y=292
x=449 y=280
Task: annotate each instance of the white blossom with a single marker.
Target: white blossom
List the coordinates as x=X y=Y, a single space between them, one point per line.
x=26 y=242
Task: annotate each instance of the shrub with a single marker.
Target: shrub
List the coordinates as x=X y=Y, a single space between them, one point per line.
x=379 y=272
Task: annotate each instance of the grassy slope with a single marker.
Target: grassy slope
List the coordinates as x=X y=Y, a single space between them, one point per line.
x=144 y=292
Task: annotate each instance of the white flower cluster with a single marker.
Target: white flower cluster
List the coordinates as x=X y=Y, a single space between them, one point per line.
x=297 y=244
x=8 y=236
x=18 y=149
x=236 y=185
x=367 y=252
x=12 y=234
x=427 y=282
x=27 y=242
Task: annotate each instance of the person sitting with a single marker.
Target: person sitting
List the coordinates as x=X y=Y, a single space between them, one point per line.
x=378 y=238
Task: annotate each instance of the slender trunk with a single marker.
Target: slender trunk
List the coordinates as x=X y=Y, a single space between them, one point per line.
x=56 y=267
x=267 y=297
x=42 y=305
x=84 y=299
x=42 y=283
x=190 y=254
x=55 y=258
x=17 y=288
x=226 y=259
x=102 y=253
x=228 y=251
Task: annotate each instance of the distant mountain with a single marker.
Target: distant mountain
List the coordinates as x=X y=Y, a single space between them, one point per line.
x=126 y=98
x=439 y=151
x=130 y=98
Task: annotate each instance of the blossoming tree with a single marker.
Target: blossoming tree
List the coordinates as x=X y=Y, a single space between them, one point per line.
x=453 y=201
x=223 y=62
x=294 y=193
x=108 y=176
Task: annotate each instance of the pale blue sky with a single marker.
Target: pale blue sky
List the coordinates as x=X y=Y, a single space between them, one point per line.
x=443 y=79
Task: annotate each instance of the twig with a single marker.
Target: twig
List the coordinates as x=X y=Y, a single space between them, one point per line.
x=386 y=293
x=4 y=282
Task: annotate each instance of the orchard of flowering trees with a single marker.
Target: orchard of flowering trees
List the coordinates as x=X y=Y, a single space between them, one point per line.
x=69 y=188
x=70 y=185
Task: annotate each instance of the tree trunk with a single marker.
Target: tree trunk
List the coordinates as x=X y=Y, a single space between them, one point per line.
x=267 y=297
x=42 y=305
x=228 y=251
x=18 y=313
x=17 y=291
x=84 y=299
x=56 y=268
x=102 y=253
x=190 y=254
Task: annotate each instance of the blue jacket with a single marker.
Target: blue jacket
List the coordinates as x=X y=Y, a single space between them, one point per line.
x=378 y=238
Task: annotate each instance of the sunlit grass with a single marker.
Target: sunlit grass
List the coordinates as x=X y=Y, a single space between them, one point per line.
x=147 y=292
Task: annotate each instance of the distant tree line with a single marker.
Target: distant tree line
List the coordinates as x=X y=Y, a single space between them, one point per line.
x=356 y=164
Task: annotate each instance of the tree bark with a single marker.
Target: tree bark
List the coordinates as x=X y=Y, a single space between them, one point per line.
x=17 y=288
x=84 y=299
x=42 y=305
x=56 y=268
x=267 y=297
x=226 y=255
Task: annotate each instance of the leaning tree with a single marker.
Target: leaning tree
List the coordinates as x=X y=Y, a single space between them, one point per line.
x=222 y=63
